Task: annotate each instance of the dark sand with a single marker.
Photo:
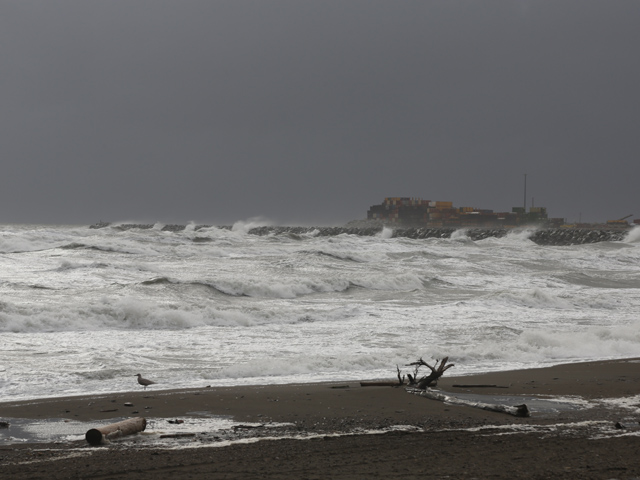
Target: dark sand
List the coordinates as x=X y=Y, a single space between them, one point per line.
x=445 y=441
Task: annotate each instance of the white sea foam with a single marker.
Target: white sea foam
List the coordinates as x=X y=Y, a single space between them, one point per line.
x=460 y=235
x=85 y=309
x=279 y=289
x=631 y=403
x=540 y=346
x=535 y=298
x=245 y=225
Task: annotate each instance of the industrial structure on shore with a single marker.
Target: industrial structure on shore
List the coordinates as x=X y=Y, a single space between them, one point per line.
x=419 y=212
x=416 y=212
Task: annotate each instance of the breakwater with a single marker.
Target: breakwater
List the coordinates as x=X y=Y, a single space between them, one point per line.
x=542 y=236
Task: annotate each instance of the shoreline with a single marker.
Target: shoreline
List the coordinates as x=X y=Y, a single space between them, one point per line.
x=335 y=418
x=588 y=380
x=446 y=381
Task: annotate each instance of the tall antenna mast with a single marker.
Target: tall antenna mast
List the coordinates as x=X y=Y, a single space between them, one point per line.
x=525 y=193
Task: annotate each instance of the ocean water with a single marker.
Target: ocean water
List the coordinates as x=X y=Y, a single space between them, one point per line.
x=83 y=310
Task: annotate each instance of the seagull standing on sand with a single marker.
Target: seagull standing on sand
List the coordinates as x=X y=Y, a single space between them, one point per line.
x=143 y=381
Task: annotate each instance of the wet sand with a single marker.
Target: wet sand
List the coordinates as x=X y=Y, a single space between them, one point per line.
x=438 y=439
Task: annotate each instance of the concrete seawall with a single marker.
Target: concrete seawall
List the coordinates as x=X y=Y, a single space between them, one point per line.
x=544 y=236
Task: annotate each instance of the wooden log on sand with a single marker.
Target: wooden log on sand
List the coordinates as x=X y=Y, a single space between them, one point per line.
x=380 y=383
x=516 y=410
x=96 y=436
x=477 y=385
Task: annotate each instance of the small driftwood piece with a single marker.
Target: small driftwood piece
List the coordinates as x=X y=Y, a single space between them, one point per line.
x=516 y=410
x=96 y=436
x=478 y=385
x=432 y=379
x=177 y=435
x=247 y=427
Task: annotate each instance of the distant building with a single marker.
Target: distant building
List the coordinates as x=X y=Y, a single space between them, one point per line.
x=418 y=212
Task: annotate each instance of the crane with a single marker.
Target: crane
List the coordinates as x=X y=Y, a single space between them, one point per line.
x=620 y=221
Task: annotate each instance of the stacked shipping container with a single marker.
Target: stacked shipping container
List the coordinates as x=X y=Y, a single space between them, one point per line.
x=419 y=212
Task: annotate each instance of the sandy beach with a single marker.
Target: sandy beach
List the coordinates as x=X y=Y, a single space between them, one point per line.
x=345 y=430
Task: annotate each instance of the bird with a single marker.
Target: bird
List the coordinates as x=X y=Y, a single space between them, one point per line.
x=143 y=381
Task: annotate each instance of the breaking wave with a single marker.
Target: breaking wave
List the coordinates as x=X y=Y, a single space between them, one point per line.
x=267 y=304
x=124 y=314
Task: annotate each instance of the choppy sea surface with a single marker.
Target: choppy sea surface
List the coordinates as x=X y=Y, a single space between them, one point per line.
x=83 y=310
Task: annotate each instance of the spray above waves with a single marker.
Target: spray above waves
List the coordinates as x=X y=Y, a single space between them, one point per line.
x=461 y=235
x=633 y=236
x=244 y=226
x=386 y=233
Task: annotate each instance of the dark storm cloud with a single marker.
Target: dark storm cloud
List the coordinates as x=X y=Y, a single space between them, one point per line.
x=309 y=112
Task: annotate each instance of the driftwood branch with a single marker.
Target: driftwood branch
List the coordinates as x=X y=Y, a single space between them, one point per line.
x=516 y=410
x=429 y=380
x=437 y=370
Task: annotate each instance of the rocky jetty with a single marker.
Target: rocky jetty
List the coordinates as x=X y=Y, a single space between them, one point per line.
x=542 y=236
x=576 y=236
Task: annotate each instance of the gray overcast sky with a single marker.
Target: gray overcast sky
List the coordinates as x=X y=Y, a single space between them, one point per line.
x=308 y=112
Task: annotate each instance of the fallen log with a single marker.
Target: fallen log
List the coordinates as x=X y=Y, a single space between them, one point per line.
x=96 y=436
x=380 y=383
x=477 y=385
x=515 y=410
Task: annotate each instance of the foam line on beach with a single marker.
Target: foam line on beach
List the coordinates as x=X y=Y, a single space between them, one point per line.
x=631 y=403
x=599 y=429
